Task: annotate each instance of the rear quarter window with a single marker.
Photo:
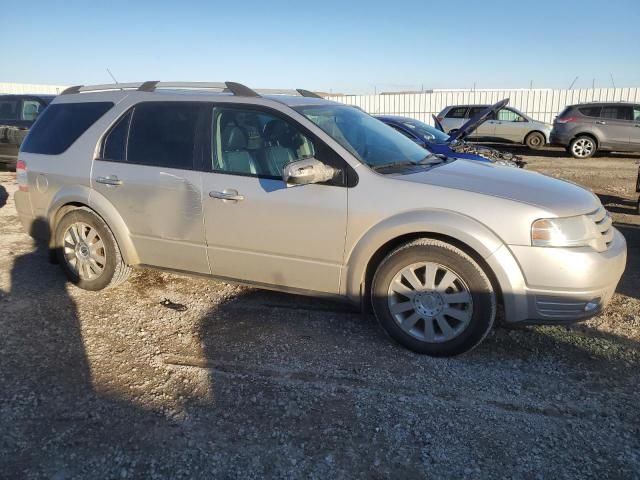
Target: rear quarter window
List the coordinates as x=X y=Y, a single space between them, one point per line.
x=62 y=124
x=590 y=111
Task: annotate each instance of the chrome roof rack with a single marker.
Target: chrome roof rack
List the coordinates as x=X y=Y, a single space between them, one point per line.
x=237 y=89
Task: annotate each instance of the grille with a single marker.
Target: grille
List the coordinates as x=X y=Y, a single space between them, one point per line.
x=604 y=224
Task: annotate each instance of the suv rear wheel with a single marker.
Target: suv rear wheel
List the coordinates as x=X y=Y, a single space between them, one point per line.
x=88 y=252
x=535 y=140
x=433 y=298
x=582 y=147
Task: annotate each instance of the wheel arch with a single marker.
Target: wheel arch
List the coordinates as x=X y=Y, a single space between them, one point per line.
x=463 y=232
x=76 y=197
x=586 y=134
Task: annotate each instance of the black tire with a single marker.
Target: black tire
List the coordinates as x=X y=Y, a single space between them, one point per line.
x=115 y=270
x=482 y=309
x=588 y=149
x=638 y=206
x=535 y=140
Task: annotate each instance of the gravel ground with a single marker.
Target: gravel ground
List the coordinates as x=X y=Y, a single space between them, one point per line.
x=248 y=383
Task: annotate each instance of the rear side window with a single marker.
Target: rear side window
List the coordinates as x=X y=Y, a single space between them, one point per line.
x=456 y=112
x=473 y=111
x=590 y=111
x=61 y=124
x=9 y=109
x=163 y=134
x=617 y=112
x=115 y=144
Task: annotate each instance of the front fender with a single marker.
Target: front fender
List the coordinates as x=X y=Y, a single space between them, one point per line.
x=440 y=222
x=80 y=194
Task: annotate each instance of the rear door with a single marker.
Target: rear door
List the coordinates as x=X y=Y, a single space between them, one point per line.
x=616 y=121
x=147 y=169
x=486 y=130
x=454 y=118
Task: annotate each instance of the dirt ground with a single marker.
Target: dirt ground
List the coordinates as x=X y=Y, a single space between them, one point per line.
x=249 y=384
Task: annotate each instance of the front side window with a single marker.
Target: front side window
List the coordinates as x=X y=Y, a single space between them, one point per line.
x=636 y=113
x=506 y=115
x=256 y=143
x=368 y=139
x=9 y=109
x=61 y=124
x=30 y=110
x=161 y=134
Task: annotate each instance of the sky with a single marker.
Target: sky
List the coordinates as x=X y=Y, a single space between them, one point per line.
x=333 y=46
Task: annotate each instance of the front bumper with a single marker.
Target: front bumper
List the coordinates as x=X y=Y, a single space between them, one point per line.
x=559 y=285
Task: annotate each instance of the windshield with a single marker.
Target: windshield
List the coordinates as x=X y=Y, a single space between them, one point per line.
x=369 y=140
x=429 y=133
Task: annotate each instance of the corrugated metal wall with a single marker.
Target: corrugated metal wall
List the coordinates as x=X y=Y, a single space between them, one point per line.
x=541 y=104
x=30 y=88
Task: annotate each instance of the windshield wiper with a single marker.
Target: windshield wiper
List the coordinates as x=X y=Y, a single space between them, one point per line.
x=382 y=166
x=433 y=159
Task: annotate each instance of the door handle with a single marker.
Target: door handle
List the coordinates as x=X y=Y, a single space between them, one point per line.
x=600 y=122
x=110 y=180
x=227 y=194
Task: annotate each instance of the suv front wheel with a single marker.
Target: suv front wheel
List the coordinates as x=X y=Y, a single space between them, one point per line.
x=88 y=251
x=433 y=298
x=582 y=147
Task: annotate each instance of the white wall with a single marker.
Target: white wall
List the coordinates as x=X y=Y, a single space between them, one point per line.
x=541 y=104
x=30 y=88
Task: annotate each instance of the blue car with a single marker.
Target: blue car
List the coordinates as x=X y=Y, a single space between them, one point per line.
x=438 y=142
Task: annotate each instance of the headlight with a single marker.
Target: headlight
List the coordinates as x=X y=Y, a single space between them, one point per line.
x=577 y=231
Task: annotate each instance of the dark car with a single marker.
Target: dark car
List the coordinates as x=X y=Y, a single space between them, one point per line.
x=17 y=114
x=438 y=142
x=590 y=127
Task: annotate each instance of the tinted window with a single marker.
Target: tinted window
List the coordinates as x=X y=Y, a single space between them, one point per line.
x=61 y=124
x=256 y=143
x=590 y=111
x=473 y=111
x=427 y=132
x=636 y=113
x=116 y=141
x=163 y=134
x=617 y=112
x=457 y=112
x=9 y=109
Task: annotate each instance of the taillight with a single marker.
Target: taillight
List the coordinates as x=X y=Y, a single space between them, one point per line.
x=566 y=119
x=21 y=176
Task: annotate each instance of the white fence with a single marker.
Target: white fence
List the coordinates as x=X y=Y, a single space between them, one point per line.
x=21 y=88
x=541 y=104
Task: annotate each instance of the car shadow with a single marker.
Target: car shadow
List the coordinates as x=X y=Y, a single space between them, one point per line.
x=300 y=387
x=616 y=204
x=4 y=196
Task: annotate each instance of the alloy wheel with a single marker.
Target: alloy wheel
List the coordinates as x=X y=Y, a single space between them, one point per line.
x=583 y=147
x=430 y=302
x=84 y=251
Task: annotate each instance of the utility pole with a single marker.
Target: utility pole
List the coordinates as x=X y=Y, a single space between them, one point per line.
x=573 y=83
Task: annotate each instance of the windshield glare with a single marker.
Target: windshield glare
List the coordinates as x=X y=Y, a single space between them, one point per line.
x=427 y=132
x=369 y=140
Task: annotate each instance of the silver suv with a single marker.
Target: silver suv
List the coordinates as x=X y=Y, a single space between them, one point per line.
x=505 y=125
x=299 y=194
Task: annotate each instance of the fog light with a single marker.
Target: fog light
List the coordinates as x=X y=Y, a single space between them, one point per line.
x=592 y=305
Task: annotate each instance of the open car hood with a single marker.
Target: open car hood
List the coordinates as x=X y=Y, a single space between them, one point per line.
x=477 y=120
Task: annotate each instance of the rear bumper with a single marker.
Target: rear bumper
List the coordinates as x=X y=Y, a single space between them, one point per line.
x=559 y=285
x=558 y=137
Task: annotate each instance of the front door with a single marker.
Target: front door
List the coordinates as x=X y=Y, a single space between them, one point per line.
x=259 y=229
x=617 y=123
x=146 y=171
x=510 y=126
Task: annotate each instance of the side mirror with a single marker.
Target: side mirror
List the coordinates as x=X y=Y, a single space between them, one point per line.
x=309 y=170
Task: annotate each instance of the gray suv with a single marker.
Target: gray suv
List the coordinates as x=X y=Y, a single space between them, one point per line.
x=299 y=194
x=586 y=128
x=506 y=125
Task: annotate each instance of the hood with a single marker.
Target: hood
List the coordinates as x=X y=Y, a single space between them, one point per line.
x=477 y=120
x=557 y=196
